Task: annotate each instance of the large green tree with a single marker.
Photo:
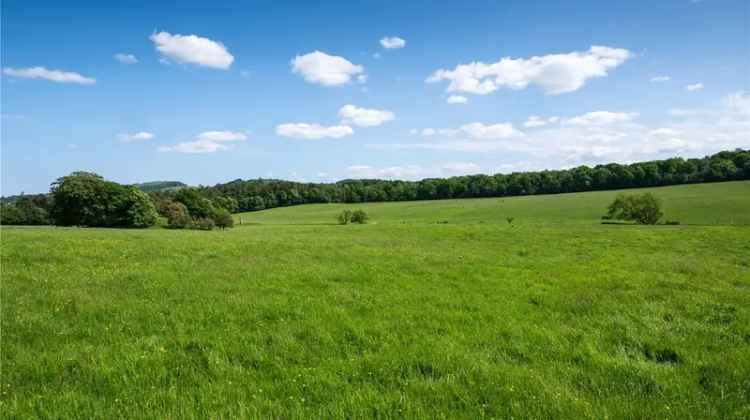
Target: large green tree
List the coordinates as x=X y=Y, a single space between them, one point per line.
x=87 y=199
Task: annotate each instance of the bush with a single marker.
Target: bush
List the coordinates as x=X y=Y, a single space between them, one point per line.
x=223 y=219
x=203 y=224
x=344 y=217
x=510 y=220
x=359 y=216
x=672 y=222
x=177 y=215
x=644 y=209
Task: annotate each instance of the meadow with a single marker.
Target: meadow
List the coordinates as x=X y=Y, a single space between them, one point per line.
x=435 y=309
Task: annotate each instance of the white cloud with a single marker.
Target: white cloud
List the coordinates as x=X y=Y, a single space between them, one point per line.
x=221 y=136
x=391 y=43
x=391 y=172
x=537 y=121
x=364 y=117
x=327 y=70
x=134 y=137
x=658 y=79
x=605 y=136
x=193 y=49
x=481 y=131
x=461 y=167
x=598 y=118
x=693 y=87
x=207 y=142
x=313 y=131
x=428 y=131
x=738 y=102
x=554 y=73
x=457 y=99
x=663 y=132
x=412 y=172
x=126 y=58
x=52 y=75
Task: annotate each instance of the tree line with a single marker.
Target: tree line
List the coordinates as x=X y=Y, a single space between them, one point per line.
x=86 y=199
x=250 y=195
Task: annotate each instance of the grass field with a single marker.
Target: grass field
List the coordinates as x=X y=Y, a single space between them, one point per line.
x=435 y=310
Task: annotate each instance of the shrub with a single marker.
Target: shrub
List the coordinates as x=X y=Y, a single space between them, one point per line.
x=359 y=216
x=344 y=217
x=644 y=209
x=177 y=215
x=223 y=219
x=203 y=224
x=510 y=220
x=672 y=222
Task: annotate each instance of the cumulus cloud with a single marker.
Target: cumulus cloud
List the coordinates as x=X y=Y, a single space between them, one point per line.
x=537 y=121
x=192 y=49
x=207 y=142
x=135 y=137
x=693 y=87
x=457 y=99
x=554 y=73
x=327 y=70
x=598 y=118
x=313 y=131
x=58 y=76
x=364 y=117
x=608 y=136
x=659 y=79
x=126 y=58
x=392 y=43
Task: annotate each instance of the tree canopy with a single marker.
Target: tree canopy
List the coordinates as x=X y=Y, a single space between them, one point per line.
x=87 y=199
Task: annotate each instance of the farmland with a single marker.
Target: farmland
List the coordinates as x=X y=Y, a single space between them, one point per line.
x=435 y=309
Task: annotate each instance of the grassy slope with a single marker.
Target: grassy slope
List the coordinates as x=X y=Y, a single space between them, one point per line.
x=718 y=203
x=540 y=319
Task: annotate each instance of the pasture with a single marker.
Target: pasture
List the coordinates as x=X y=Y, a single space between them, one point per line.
x=436 y=309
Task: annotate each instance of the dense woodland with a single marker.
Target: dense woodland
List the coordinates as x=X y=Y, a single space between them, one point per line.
x=116 y=205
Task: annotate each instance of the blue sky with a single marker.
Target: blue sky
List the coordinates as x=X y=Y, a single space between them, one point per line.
x=207 y=92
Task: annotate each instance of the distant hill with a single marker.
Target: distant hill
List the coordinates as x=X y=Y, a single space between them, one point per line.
x=160 y=186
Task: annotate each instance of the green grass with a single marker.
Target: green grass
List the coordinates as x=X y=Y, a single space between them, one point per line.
x=702 y=204
x=292 y=316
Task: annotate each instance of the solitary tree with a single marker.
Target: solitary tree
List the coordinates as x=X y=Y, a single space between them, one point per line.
x=644 y=209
